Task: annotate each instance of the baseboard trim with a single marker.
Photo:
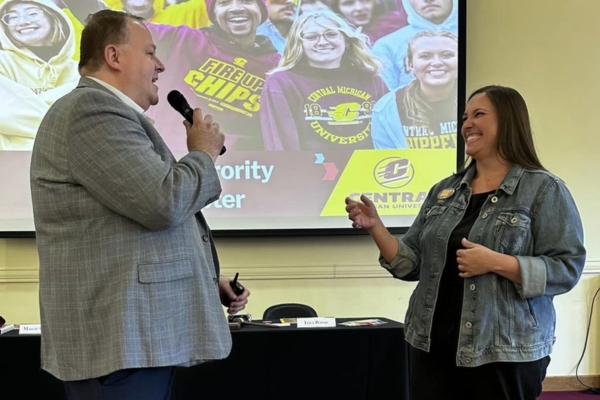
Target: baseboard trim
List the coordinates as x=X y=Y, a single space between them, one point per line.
x=570 y=382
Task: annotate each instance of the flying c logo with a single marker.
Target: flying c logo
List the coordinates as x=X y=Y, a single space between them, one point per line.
x=394 y=172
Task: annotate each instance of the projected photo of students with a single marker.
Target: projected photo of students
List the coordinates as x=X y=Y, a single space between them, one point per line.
x=277 y=26
x=36 y=67
x=191 y=12
x=321 y=95
x=220 y=68
x=422 y=115
x=370 y=16
x=422 y=15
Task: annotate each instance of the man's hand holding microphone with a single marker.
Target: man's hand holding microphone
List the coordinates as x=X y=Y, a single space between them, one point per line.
x=202 y=132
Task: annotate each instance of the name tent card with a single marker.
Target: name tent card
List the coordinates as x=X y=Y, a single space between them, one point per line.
x=30 y=329
x=316 y=322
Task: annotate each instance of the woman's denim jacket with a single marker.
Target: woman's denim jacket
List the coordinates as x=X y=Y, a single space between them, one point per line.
x=532 y=216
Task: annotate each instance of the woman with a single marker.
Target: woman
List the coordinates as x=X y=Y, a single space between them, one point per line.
x=322 y=92
x=370 y=16
x=36 y=67
x=491 y=247
x=422 y=115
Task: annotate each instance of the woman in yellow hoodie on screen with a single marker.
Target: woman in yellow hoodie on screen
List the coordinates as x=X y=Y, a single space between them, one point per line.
x=36 y=67
x=191 y=13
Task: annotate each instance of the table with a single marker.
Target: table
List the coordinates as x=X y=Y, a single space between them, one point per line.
x=362 y=363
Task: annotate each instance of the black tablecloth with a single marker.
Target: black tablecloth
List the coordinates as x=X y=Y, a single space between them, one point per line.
x=366 y=363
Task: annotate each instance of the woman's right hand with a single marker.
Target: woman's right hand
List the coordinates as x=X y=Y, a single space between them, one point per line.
x=363 y=213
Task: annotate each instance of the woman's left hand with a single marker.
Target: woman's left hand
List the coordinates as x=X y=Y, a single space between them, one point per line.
x=474 y=259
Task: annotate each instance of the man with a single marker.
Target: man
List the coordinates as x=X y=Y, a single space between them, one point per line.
x=435 y=15
x=281 y=16
x=129 y=276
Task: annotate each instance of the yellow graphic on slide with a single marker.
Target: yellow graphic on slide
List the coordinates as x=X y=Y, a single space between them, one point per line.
x=397 y=181
x=227 y=85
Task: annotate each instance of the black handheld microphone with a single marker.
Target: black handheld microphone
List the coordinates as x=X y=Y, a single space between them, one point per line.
x=180 y=104
x=236 y=286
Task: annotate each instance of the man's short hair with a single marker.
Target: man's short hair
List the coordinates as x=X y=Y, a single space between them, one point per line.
x=101 y=29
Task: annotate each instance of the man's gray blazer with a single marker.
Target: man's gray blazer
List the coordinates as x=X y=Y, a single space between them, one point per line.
x=127 y=276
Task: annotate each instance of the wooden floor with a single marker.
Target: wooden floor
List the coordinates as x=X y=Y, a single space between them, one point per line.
x=571 y=383
x=578 y=395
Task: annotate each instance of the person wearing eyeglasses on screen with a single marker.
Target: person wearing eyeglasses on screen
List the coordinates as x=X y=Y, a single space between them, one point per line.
x=491 y=247
x=321 y=95
x=422 y=115
x=36 y=67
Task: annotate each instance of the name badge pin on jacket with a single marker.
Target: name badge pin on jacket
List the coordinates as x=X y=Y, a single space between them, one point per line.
x=445 y=194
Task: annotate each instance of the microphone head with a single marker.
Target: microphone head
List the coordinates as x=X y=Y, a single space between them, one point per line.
x=177 y=101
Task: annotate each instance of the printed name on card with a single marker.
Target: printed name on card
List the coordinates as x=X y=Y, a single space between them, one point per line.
x=316 y=322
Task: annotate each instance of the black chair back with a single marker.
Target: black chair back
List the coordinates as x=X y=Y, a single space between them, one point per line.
x=288 y=310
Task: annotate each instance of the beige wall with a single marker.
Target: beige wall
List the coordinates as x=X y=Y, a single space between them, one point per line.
x=548 y=51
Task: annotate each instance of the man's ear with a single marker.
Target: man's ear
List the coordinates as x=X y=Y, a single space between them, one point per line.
x=112 y=56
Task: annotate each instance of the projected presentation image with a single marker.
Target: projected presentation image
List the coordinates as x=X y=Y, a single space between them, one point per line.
x=318 y=99
x=220 y=68
x=321 y=95
x=374 y=18
x=422 y=114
